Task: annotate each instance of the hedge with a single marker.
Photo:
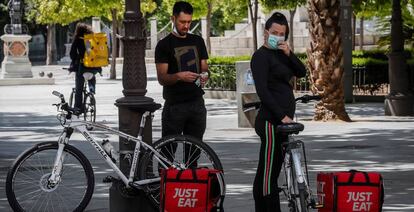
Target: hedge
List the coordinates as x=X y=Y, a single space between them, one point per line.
x=373 y=63
x=223 y=72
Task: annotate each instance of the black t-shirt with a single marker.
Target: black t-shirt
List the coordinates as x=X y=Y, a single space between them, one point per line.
x=272 y=71
x=181 y=54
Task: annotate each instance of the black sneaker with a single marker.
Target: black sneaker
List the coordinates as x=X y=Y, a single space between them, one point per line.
x=77 y=111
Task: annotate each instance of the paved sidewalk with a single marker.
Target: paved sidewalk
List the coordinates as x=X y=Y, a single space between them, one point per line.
x=372 y=142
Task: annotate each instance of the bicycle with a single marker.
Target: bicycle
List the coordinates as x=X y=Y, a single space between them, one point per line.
x=88 y=96
x=296 y=187
x=57 y=176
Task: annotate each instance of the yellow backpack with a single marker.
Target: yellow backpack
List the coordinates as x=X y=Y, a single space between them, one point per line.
x=96 y=54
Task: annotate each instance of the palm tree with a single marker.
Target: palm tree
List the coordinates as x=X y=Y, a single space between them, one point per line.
x=325 y=59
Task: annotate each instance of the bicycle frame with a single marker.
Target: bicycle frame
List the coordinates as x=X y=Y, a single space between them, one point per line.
x=80 y=125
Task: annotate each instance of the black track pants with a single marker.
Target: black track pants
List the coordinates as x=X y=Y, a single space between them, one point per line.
x=265 y=187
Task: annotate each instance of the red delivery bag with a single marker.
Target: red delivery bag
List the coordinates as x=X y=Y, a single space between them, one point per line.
x=190 y=190
x=350 y=191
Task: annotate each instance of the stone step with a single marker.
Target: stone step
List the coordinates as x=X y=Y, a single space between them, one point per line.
x=232 y=52
x=240 y=26
x=224 y=42
x=234 y=33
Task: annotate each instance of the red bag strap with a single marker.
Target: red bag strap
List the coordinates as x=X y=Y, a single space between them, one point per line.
x=353 y=171
x=193 y=171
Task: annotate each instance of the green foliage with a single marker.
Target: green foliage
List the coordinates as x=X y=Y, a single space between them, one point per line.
x=371 y=8
x=228 y=60
x=384 y=26
x=67 y=11
x=224 y=15
x=222 y=77
x=4 y=14
x=223 y=72
x=269 y=5
x=363 y=62
x=380 y=54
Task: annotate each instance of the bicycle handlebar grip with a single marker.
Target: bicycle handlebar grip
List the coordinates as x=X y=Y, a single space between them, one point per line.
x=307 y=98
x=251 y=105
x=62 y=98
x=316 y=97
x=57 y=94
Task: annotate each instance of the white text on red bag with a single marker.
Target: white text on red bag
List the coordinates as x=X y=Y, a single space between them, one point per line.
x=192 y=190
x=350 y=191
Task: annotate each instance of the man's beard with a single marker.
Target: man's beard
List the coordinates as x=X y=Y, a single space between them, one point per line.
x=177 y=32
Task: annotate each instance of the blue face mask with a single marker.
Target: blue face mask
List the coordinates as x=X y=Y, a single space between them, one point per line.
x=273 y=40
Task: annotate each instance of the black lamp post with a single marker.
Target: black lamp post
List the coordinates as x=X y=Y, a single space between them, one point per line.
x=346 y=35
x=400 y=100
x=132 y=106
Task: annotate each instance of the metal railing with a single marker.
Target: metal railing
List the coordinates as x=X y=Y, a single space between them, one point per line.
x=363 y=86
x=223 y=77
x=360 y=83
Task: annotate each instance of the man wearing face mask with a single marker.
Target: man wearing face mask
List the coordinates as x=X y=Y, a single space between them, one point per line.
x=273 y=65
x=182 y=70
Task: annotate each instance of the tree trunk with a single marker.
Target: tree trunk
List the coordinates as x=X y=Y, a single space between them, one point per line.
x=112 y=74
x=361 y=34
x=353 y=30
x=292 y=15
x=51 y=44
x=209 y=9
x=325 y=59
x=253 y=15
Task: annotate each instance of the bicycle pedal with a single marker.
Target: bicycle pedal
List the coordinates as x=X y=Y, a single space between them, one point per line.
x=108 y=179
x=317 y=206
x=136 y=186
x=279 y=189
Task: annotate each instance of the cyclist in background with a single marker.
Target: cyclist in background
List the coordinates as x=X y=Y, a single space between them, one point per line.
x=77 y=53
x=273 y=65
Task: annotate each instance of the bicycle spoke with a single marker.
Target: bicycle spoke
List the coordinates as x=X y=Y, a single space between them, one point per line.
x=33 y=192
x=183 y=151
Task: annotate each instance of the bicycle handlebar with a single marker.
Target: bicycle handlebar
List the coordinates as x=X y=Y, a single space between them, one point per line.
x=304 y=99
x=62 y=98
x=63 y=104
x=307 y=98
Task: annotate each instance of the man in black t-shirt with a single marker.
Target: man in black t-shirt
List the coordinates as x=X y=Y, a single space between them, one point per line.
x=181 y=59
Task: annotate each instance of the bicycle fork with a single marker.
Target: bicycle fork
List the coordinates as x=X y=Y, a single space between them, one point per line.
x=60 y=157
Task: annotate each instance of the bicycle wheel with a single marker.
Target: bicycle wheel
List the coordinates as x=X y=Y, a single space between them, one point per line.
x=183 y=151
x=90 y=109
x=72 y=98
x=28 y=189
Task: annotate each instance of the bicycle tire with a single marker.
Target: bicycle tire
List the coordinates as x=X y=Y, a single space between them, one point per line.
x=146 y=167
x=72 y=98
x=89 y=109
x=74 y=165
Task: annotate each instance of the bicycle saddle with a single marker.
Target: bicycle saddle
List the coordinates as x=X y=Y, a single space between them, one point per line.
x=290 y=128
x=88 y=75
